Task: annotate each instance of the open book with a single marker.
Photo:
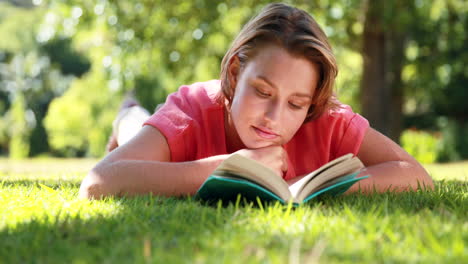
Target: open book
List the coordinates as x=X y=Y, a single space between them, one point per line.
x=240 y=175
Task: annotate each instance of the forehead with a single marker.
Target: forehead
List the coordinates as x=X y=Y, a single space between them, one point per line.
x=283 y=69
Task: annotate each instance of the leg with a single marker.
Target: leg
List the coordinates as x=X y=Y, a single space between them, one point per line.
x=126 y=125
x=129 y=123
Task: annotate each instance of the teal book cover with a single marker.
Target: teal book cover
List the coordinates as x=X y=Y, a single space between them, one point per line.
x=227 y=189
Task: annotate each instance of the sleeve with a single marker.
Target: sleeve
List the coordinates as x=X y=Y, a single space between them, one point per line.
x=175 y=120
x=351 y=130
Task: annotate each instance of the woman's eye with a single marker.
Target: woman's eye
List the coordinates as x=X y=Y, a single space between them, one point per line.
x=295 y=106
x=262 y=93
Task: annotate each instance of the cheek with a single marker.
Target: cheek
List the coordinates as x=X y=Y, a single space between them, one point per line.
x=239 y=116
x=245 y=106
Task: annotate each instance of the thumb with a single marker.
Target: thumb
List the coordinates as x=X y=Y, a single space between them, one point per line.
x=284 y=167
x=285 y=161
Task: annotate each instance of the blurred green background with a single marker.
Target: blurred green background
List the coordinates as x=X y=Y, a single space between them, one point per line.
x=65 y=66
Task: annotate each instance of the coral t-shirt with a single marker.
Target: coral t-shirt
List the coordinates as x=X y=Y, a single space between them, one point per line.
x=193 y=123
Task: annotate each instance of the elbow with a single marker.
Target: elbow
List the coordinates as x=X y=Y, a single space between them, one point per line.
x=424 y=181
x=419 y=178
x=95 y=186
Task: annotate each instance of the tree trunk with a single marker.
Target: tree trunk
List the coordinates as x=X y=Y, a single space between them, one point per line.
x=383 y=55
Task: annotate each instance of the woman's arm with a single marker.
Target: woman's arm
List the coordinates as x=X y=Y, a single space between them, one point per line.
x=142 y=166
x=390 y=167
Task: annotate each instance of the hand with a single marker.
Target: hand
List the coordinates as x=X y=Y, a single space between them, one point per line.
x=274 y=157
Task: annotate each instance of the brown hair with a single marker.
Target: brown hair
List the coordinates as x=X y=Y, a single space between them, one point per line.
x=298 y=33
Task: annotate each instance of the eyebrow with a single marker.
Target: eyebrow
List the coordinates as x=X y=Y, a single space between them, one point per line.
x=265 y=79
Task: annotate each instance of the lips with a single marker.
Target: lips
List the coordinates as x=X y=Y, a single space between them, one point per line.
x=265 y=133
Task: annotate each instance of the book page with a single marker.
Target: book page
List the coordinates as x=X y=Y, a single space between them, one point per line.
x=299 y=185
x=338 y=170
x=242 y=167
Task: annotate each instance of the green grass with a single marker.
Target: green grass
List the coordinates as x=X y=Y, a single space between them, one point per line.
x=42 y=221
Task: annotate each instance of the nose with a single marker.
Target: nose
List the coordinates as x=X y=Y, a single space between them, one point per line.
x=273 y=111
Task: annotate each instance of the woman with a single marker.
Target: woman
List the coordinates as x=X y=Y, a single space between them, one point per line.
x=274 y=103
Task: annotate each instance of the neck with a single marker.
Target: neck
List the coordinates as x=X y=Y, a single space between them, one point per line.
x=233 y=141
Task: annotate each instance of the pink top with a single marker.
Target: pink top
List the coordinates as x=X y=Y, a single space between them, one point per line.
x=193 y=123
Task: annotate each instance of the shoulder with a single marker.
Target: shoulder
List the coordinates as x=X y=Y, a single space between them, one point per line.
x=187 y=116
x=202 y=93
x=339 y=130
x=189 y=103
x=341 y=115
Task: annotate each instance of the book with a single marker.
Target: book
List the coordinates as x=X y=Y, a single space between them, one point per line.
x=241 y=175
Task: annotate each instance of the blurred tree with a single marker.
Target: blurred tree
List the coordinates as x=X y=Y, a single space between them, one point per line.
x=414 y=52
x=384 y=41
x=21 y=3
x=20 y=129
x=436 y=73
x=79 y=121
x=28 y=80
x=68 y=60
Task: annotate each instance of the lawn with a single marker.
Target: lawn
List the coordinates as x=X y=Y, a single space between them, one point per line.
x=42 y=221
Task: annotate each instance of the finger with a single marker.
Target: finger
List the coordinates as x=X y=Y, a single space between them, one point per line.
x=284 y=159
x=284 y=162
x=284 y=168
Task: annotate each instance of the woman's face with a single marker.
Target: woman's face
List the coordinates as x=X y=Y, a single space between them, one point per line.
x=272 y=95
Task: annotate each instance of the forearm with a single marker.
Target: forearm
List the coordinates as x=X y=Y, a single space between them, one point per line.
x=131 y=177
x=395 y=176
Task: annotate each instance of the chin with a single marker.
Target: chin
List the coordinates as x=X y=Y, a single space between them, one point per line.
x=255 y=144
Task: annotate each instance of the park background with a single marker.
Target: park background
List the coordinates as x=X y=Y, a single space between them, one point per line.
x=66 y=65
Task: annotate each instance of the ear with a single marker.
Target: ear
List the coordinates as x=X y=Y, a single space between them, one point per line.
x=233 y=70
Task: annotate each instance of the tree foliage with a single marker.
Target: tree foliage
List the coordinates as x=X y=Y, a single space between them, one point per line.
x=436 y=73
x=28 y=82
